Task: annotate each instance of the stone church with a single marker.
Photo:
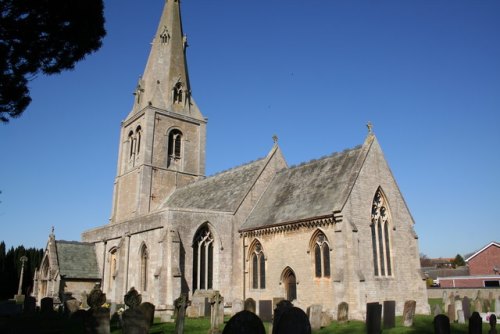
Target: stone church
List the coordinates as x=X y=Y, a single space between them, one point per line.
x=325 y=232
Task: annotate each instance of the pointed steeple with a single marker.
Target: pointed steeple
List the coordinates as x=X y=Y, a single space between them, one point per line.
x=165 y=83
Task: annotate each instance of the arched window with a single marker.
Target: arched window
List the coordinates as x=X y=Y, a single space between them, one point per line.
x=258 y=267
x=144 y=254
x=178 y=93
x=138 y=134
x=174 y=146
x=381 y=238
x=289 y=281
x=112 y=268
x=203 y=258
x=131 y=143
x=321 y=253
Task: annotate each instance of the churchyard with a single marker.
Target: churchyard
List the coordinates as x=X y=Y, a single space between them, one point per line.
x=463 y=315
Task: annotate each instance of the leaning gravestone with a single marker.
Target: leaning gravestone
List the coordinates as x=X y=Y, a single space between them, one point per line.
x=343 y=312
x=466 y=307
x=478 y=305
x=389 y=314
x=493 y=324
x=409 y=312
x=281 y=307
x=266 y=310
x=475 y=324
x=216 y=318
x=97 y=318
x=441 y=324
x=133 y=319
x=373 y=318
x=293 y=321
x=244 y=322
x=451 y=312
x=250 y=305
x=314 y=314
x=460 y=317
x=180 y=305
x=487 y=305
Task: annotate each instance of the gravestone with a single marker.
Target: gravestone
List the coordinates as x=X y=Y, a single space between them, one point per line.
x=445 y=297
x=149 y=312
x=389 y=314
x=250 y=305
x=437 y=310
x=71 y=306
x=409 y=313
x=497 y=306
x=478 y=305
x=216 y=318
x=466 y=307
x=458 y=307
x=326 y=319
x=475 y=324
x=97 y=318
x=314 y=314
x=29 y=305
x=493 y=324
x=134 y=321
x=441 y=324
x=244 y=322
x=281 y=307
x=460 y=317
x=266 y=310
x=47 y=305
x=487 y=305
x=343 y=313
x=451 y=312
x=293 y=321
x=373 y=318
x=180 y=305
x=237 y=306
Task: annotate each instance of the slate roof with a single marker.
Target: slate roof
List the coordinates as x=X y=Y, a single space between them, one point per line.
x=77 y=260
x=221 y=192
x=314 y=189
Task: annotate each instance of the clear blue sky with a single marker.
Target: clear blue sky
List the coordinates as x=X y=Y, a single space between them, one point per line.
x=425 y=72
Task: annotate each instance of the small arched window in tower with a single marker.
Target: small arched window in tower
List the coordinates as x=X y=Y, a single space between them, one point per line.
x=381 y=238
x=203 y=257
x=144 y=254
x=321 y=253
x=258 y=267
x=174 y=146
x=165 y=35
x=178 y=93
x=138 y=135
x=131 y=141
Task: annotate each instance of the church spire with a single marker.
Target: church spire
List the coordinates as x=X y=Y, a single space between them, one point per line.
x=165 y=83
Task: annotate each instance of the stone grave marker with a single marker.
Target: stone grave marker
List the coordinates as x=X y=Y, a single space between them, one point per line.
x=180 y=305
x=445 y=297
x=475 y=324
x=250 y=305
x=466 y=307
x=389 y=313
x=460 y=317
x=343 y=312
x=134 y=321
x=97 y=318
x=437 y=310
x=458 y=307
x=487 y=305
x=266 y=310
x=216 y=318
x=237 y=306
x=326 y=319
x=409 y=313
x=314 y=314
x=451 y=312
x=442 y=324
x=373 y=318
x=47 y=305
x=71 y=306
x=281 y=307
x=497 y=306
x=29 y=305
x=149 y=311
x=493 y=324
x=478 y=305
x=244 y=322
x=293 y=321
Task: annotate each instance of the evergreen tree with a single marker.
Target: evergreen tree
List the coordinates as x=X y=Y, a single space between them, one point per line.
x=458 y=261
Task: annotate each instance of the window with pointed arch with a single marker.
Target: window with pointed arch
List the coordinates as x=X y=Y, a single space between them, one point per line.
x=203 y=259
x=138 y=135
x=174 y=146
x=178 y=93
x=258 y=266
x=113 y=265
x=381 y=237
x=131 y=142
x=320 y=249
x=289 y=280
x=144 y=254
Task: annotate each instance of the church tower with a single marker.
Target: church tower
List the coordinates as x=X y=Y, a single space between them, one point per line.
x=162 y=140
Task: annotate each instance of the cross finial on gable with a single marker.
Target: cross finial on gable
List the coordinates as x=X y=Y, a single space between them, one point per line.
x=369 y=125
x=275 y=139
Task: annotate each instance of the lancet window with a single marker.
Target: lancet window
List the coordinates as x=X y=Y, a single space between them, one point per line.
x=381 y=237
x=112 y=267
x=203 y=258
x=258 y=266
x=174 y=146
x=321 y=255
x=144 y=254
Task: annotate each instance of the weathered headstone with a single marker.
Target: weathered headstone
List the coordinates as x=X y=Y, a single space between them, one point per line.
x=497 y=306
x=460 y=317
x=97 y=318
x=266 y=310
x=216 y=301
x=451 y=312
x=244 y=322
x=133 y=319
x=487 y=305
x=373 y=318
x=250 y=305
x=466 y=307
x=149 y=311
x=409 y=313
x=180 y=305
x=29 y=305
x=445 y=297
x=47 y=305
x=475 y=324
x=314 y=314
x=343 y=312
x=441 y=324
x=493 y=324
x=293 y=321
x=237 y=306
x=71 y=306
x=437 y=310
x=458 y=307
x=478 y=305
x=326 y=319
x=389 y=314
x=281 y=307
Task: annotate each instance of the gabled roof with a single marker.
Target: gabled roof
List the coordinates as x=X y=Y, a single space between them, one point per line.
x=493 y=243
x=311 y=190
x=77 y=260
x=221 y=192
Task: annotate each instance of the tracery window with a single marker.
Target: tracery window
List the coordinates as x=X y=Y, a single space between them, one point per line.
x=258 y=267
x=321 y=254
x=203 y=257
x=381 y=238
x=144 y=254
